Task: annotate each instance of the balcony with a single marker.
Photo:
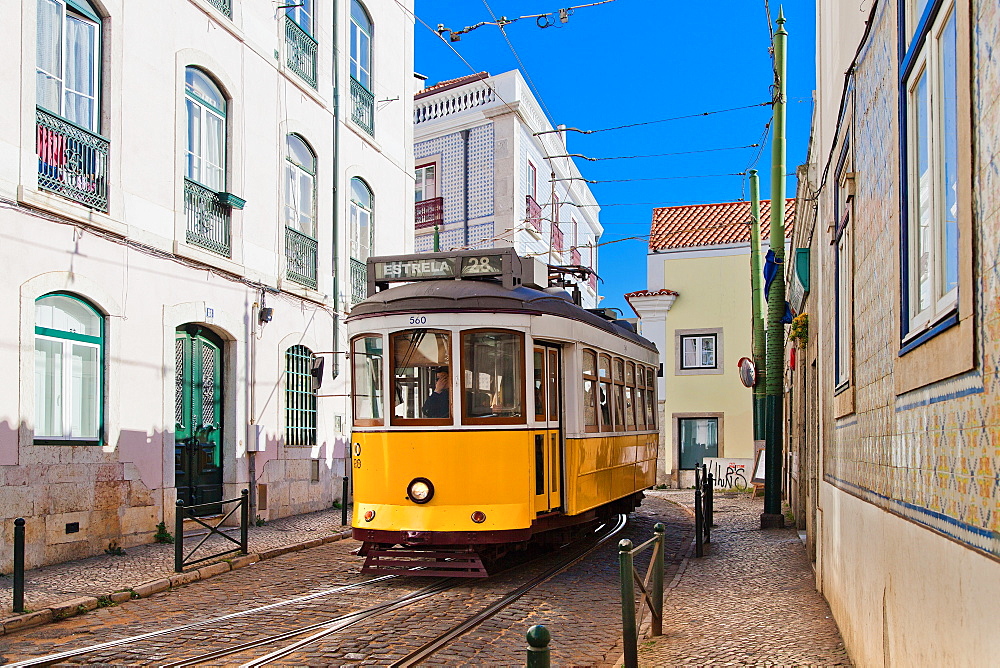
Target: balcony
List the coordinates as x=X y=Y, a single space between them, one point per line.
x=362 y=106
x=575 y=258
x=557 y=239
x=208 y=219
x=301 y=252
x=300 y=52
x=534 y=213
x=72 y=161
x=429 y=212
x=224 y=6
x=359 y=281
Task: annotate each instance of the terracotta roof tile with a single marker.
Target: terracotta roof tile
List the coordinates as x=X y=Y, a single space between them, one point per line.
x=711 y=224
x=450 y=83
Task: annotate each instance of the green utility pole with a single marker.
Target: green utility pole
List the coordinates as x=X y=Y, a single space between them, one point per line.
x=759 y=350
x=772 y=517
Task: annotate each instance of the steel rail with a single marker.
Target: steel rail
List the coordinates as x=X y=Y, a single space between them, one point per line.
x=327 y=627
x=51 y=659
x=434 y=645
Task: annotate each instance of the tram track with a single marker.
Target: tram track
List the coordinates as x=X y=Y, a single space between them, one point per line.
x=52 y=659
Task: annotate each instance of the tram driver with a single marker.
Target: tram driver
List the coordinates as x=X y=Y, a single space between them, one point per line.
x=437 y=404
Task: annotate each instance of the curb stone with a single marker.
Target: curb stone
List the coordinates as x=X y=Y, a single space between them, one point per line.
x=72 y=607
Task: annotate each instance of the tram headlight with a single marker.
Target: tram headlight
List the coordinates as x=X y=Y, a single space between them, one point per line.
x=420 y=490
x=479 y=517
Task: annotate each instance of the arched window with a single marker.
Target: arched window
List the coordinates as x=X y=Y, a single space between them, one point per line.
x=300 y=186
x=302 y=13
x=206 y=130
x=362 y=230
x=361 y=45
x=69 y=353
x=67 y=61
x=300 y=397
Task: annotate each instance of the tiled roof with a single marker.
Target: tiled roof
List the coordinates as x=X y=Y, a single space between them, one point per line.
x=450 y=83
x=651 y=293
x=711 y=224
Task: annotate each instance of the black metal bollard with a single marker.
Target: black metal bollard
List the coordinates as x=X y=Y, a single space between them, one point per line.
x=19 y=564
x=244 y=521
x=343 y=503
x=179 y=537
x=710 y=504
x=699 y=549
x=538 y=647
x=630 y=633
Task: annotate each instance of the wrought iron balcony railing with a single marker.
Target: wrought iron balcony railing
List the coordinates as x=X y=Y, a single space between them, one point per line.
x=359 y=281
x=208 y=219
x=575 y=258
x=557 y=238
x=72 y=161
x=429 y=212
x=224 y=6
x=534 y=213
x=301 y=252
x=300 y=52
x=362 y=106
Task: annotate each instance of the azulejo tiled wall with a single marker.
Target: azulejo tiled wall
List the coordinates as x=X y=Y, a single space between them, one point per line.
x=451 y=179
x=931 y=455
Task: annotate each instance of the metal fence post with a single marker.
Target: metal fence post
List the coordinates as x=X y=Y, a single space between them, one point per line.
x=538 y=647
x=657 y=622
x=19 y=565
x=244 y=521
x=629 y=632
x=343 y=501
x=179 y=536
x=709 y=506
x=699 y=550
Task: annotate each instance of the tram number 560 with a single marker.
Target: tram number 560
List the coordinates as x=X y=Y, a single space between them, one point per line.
x=418 y=319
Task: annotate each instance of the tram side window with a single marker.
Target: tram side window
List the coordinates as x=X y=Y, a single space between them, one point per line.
x=604 y=391
x=619 y=390
x=421 y=361
x=367 y=370
x=630 y=397
x=590 y=390
x=492 y=380
x=539 y=384
x=650 y=398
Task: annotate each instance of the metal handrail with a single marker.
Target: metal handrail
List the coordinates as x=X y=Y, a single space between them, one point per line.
x=72 y=160
x=242 y=504
x=208 y=219
x=359 y=281
x=651 y=587
x=301 y=48
x=362 y=106
x=301 y=255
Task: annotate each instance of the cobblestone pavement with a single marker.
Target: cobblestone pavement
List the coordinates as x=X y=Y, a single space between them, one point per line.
x=102 y=574
x=581 y=608
x=751 y=601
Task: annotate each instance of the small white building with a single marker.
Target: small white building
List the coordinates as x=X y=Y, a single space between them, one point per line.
x=185 y=195
x=492 y=171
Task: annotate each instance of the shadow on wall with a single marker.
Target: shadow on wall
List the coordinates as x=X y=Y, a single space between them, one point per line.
x=8 y=444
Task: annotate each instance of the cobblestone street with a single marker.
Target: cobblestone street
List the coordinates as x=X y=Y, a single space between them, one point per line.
x=749 y=601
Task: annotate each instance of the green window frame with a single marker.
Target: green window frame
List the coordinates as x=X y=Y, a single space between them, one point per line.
x=69 y=371
x=300 y=397
x=68 y=61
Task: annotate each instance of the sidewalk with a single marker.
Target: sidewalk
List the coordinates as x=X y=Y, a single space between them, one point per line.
x=751 y=600
x=94 y=577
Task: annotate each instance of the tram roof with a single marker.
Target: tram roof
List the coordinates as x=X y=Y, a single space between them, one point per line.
x=484 y=296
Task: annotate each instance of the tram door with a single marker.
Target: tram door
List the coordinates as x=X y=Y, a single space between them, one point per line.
x=548 y=441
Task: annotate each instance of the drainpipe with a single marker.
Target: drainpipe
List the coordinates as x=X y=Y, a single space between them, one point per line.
x=465 y=187
x=336 y=216
x=252 y=454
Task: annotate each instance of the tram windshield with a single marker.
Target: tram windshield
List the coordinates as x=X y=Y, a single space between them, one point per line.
x=492 y=363
x=421 y=375
x=367 y=360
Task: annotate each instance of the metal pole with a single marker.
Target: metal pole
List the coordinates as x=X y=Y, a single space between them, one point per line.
x=343 y=501
x=19 y=565
x=699 y=550
x=772 y=517
x=657 y=622
x=709 y=506
x=759 y=347
x=245 y=521
x=630 y=636
x=538 y=647
x=179 y=536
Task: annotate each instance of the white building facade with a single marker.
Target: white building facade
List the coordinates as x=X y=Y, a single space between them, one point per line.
x=184 y=194
x=491 y=171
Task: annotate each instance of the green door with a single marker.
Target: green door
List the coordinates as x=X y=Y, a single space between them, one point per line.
x=198 y=417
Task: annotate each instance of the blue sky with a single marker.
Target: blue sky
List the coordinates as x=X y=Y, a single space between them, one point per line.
x=634 y=61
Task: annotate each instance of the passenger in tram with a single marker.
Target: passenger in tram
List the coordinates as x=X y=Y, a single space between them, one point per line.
x=437 y=405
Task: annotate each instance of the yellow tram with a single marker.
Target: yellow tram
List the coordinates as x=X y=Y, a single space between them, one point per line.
x=489 y=410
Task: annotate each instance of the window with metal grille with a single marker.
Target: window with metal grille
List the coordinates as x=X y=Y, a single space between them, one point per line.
x=300 y=397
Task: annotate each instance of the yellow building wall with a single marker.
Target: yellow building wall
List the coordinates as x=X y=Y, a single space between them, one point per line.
x=714 y=292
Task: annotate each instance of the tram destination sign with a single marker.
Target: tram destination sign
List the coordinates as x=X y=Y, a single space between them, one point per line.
x=500 y=263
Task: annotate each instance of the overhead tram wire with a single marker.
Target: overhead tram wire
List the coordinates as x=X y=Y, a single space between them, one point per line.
x=653 y=178
x=661 y=120
x=652 y=155
x=501 y=22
